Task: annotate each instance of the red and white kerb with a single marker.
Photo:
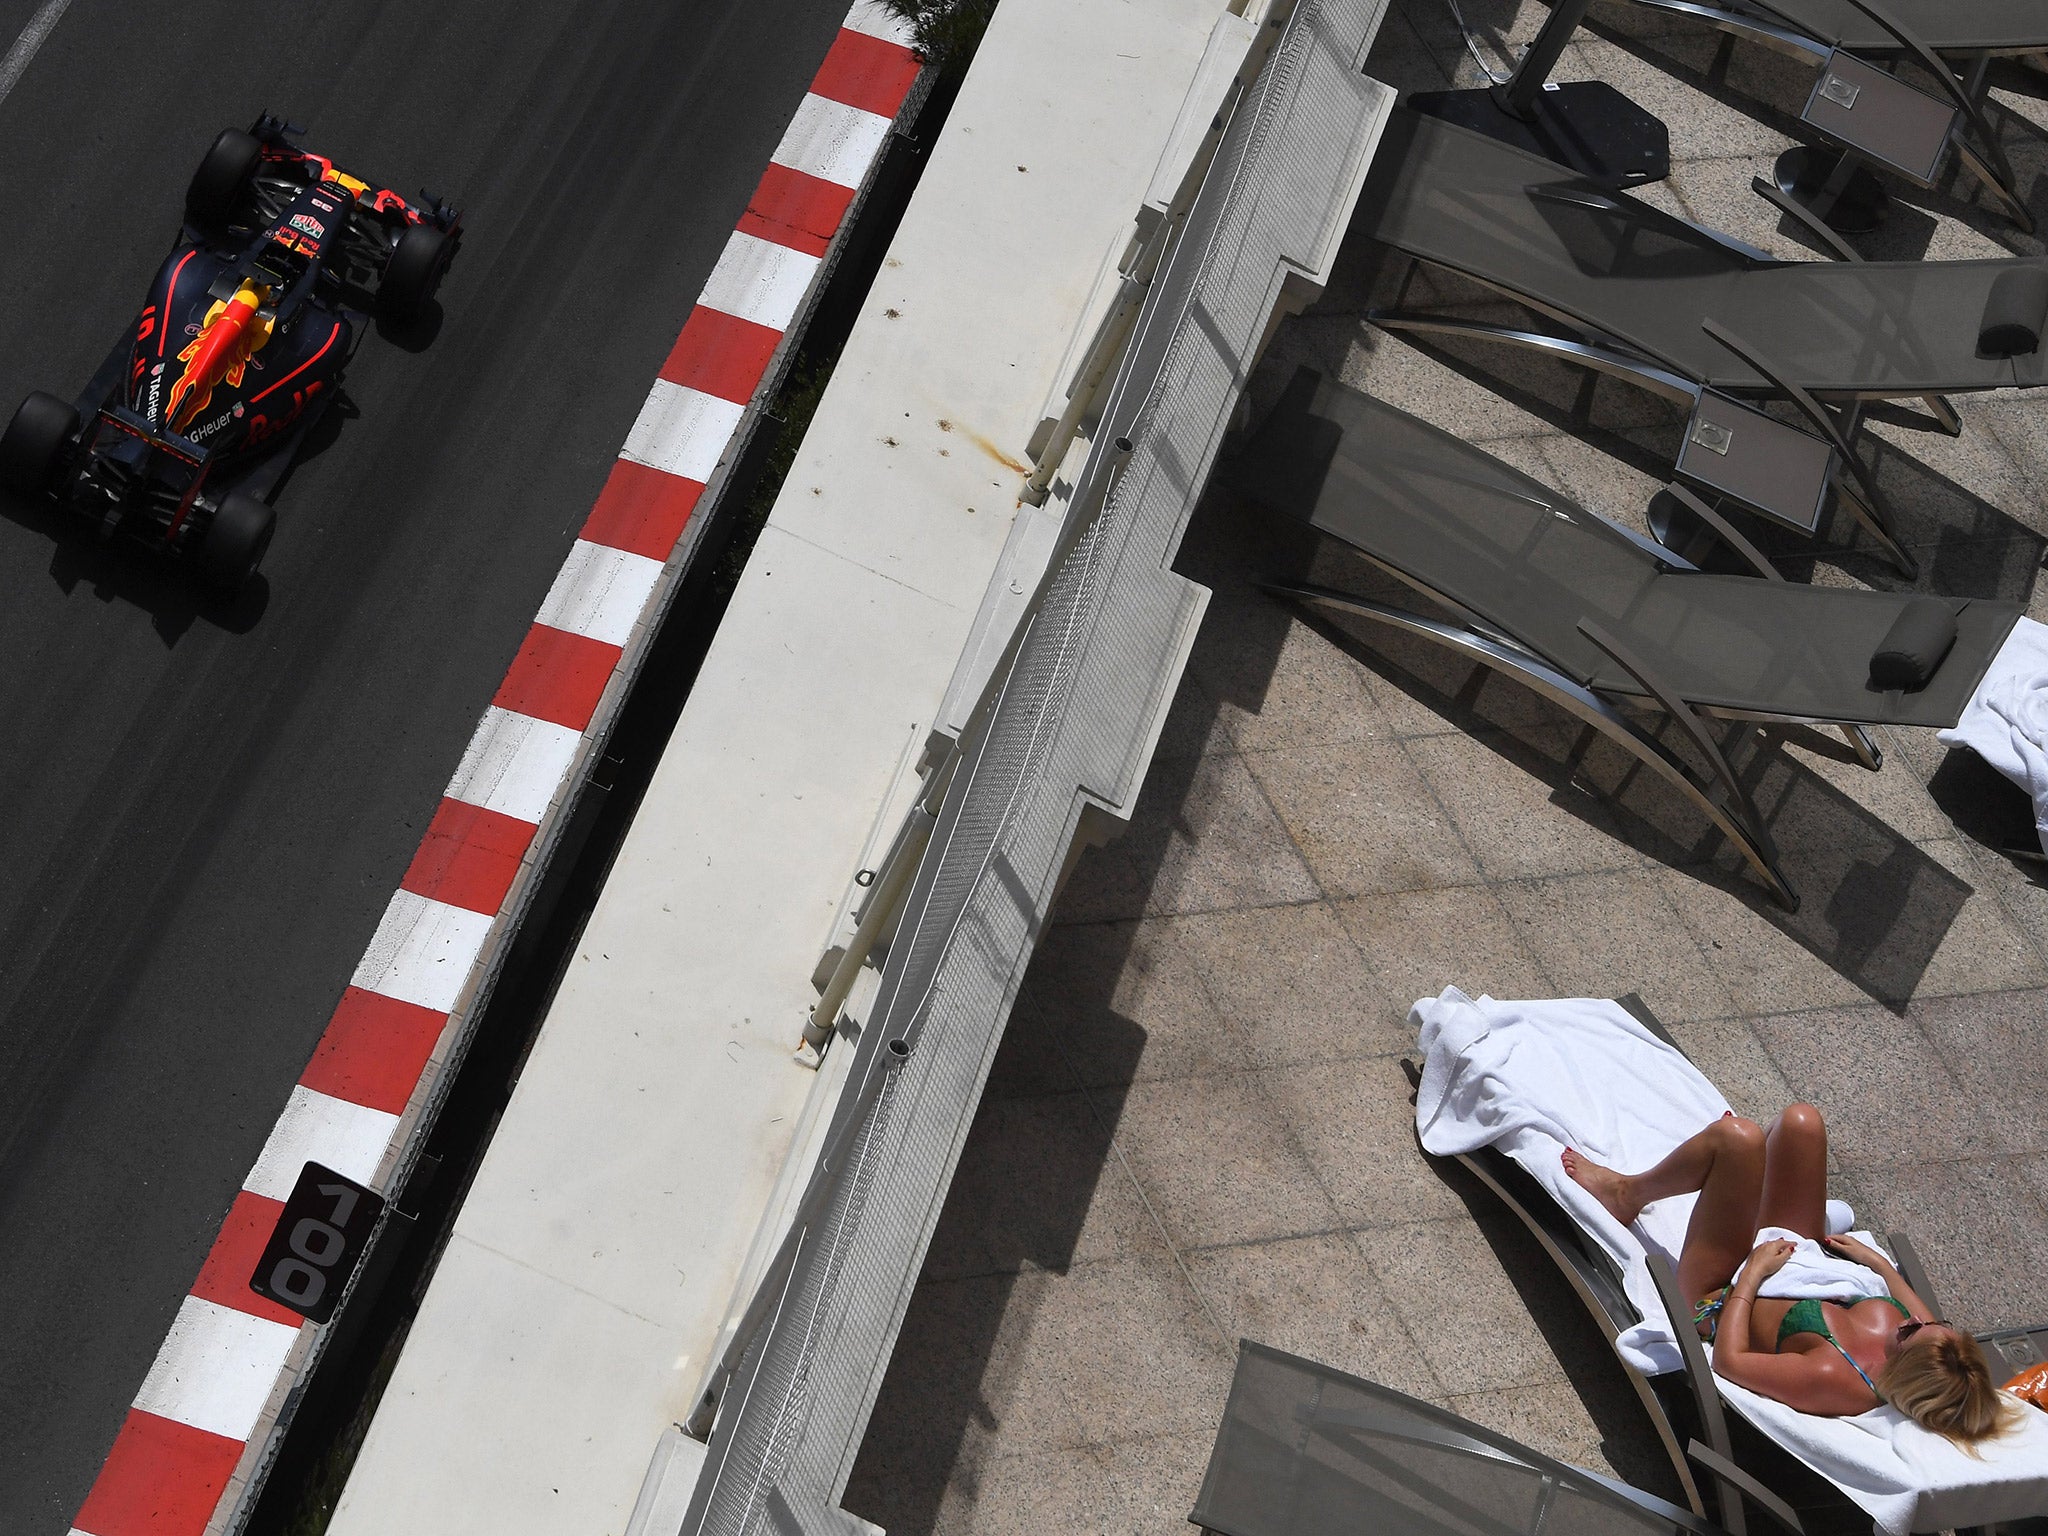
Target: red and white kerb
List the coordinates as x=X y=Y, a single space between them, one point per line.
x=174 y=1464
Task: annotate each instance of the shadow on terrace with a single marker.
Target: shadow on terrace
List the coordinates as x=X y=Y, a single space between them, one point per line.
x=1200 y=1125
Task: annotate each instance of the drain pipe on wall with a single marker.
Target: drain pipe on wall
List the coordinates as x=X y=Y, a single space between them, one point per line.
x=889 y=889
x=907 y=849
x=1102 y=357
x=1143 y=265
x=890 y=884
x=1108 y=347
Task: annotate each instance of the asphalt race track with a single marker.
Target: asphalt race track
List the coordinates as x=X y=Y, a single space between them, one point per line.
x=204 y=806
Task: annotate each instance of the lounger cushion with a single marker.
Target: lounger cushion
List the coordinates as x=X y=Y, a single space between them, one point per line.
x=1914 y=646
x=2014 y=313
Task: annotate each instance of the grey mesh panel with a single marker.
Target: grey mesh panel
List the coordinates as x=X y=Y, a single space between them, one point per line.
x=1803 y=652
x=1463 y=201
x=1947 y=26
x=1304 y=1450
x=1460 y=521
x=1576 y=1512
x=1527 y=561
x=1892 y=325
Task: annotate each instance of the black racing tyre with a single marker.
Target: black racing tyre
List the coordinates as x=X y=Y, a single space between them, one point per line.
x=234 y=543
x=413 y=271
x=222 y=178
x=33 y=447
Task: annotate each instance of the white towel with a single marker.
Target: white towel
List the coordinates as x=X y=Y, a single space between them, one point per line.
x=1535 y=1077
x=2006 y=722
x=1813 y=1271
x=1905 y=1478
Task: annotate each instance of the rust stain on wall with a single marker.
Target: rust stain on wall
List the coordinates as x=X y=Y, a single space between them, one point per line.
x=995 y=453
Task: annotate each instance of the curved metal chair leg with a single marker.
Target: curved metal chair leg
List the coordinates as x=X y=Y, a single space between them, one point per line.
x=1725 y=531
x=1944 y=414
x=1743 y=24
x=1868 y=752
x=1864 y=501
x=1864 y=513
x=1741 y=806
x=1805 y=217
x=1532 y=672
x=1632 y=370
x=1480 y=1166
x=1996 y=184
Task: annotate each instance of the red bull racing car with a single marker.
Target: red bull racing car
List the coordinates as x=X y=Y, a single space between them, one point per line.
x=191 y=422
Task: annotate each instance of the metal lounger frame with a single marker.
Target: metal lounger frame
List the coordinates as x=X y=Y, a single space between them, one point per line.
x=1564 y=651
x=1601 y=353
x=1967 y=90
x=1734 y=811
x=1684 y=1406
x=1784 y=36
x=1738 y=820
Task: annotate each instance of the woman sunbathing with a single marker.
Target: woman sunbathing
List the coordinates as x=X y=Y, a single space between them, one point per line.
x=1871 y=1343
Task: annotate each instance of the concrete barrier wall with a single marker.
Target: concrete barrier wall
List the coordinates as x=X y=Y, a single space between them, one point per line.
x=1067 y=731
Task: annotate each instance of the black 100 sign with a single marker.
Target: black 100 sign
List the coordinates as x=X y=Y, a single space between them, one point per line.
x=317 y=1242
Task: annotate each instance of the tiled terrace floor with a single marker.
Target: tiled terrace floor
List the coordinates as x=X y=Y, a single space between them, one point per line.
x=1200 y=1125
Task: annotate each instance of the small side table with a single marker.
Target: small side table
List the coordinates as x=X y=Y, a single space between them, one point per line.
x=1758 y=461
x=1878 y=118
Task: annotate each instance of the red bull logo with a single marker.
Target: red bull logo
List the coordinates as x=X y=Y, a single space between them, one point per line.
x=231 y=332
x=262 y=426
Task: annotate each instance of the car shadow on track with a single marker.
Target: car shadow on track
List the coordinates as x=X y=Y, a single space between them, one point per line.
x=321 y=436
x=414 y=335
x=161 y=588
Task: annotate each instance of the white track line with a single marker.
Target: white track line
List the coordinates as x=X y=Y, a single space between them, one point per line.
x=832 y=141
x=877 y=20
x=682 y=430
x=422 y=952
x=319 y=1128
x=216 y=1368
x=39 y=27
x=760 y=281
x=600 y=592
x=515 y=764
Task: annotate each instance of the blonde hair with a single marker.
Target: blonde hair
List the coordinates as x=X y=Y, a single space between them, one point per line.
x=1944 y=1385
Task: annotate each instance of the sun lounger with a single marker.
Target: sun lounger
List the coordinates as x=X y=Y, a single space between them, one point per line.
x=1684 y=311
x=1903 y=1478
x=1953 y=41
x=1306 y=1450
x=1962 y=30
x=1638 y=281
x=1595 y=617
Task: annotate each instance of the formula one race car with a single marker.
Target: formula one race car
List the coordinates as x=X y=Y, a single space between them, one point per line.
x=193 y=419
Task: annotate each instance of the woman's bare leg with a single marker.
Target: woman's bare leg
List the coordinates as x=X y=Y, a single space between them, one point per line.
x=1725 y=1164
x=1795 y=1190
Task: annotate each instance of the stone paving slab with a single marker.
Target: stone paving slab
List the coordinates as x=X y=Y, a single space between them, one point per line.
x=1200 y=1125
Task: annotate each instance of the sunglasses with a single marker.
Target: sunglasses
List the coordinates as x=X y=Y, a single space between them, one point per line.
x=1908 y=1329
